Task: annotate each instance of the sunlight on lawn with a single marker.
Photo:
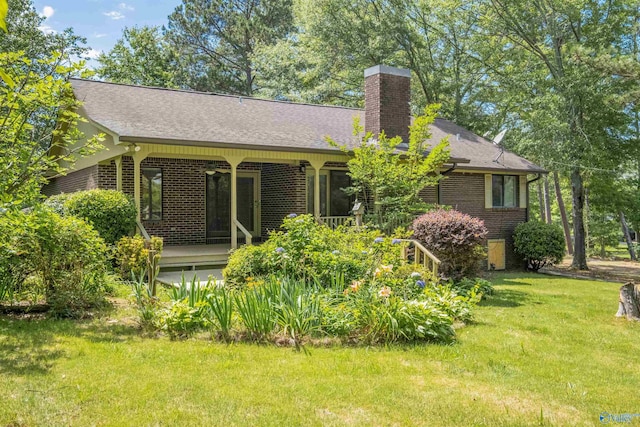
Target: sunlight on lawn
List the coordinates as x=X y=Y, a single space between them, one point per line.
x=542 y=351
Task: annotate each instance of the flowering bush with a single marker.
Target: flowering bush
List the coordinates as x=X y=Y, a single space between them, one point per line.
x=308 y=250
x=455 y=238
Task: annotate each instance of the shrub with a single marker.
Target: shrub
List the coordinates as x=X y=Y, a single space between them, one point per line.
x=308 y=250
x=132 y=254
x=539 y=244
x=455 y=238
x=110 y=212
x=64 y=254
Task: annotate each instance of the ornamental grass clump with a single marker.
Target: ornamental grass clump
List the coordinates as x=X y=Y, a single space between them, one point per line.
x=457 y=239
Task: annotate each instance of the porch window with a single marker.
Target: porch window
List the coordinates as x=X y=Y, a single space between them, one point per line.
x=151 y=204
x=504 y=191
x=333 y=200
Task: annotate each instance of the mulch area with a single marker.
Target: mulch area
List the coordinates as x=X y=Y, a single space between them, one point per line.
x=611 y=270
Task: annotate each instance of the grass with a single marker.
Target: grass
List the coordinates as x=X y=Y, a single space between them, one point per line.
x=543 y=351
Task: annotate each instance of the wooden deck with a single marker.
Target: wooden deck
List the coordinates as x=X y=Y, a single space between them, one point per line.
x=193 y=256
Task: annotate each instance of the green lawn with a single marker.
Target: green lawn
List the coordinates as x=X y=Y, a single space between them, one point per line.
x=543 y=351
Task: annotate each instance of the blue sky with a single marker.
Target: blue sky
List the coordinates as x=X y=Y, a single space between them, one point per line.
x=102 y=21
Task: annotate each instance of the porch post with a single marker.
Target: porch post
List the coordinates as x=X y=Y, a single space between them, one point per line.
x=138 y=157
x=234 y=162
x=316 y=165
x=118 y=161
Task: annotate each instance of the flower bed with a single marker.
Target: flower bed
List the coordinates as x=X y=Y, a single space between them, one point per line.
x=310 y=282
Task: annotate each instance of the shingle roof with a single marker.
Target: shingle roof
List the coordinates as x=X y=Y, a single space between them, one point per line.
x=138 y=113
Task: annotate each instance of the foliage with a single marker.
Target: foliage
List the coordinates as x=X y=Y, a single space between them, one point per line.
x=306 y=249
x=132 y=254
x=455 y=238
x=221 y=309
x=215 y=41
x=466 y=286
x=391 y=180
x=539 y=244
x=4 y=7
x=39 y=126
x=255 y=307
x=63 y=255
x=111 y=213
x=180 y=320
x=141 y=57
x=532 y=330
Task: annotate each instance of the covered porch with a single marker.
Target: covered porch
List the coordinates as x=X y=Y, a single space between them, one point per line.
x=206 y=201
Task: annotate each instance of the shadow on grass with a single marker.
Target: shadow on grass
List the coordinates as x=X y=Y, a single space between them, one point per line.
x=504 y=298
x=31 y=346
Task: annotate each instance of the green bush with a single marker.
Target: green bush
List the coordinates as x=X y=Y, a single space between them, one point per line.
x=132 y=254
x=539 y=244
x=65 y=255
x=110 y=212
x=308 y=250
x=455 y=238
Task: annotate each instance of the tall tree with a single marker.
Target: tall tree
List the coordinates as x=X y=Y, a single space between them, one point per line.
x=563 y=101
x=141 y=57
x=215 y=41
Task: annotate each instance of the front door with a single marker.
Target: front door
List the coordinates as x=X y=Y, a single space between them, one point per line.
x=219 y=204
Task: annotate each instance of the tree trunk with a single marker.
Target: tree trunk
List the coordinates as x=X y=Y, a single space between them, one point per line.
x=541 y=202
x=627 y=237
x=580 y=249
x=563 y=214
x=629 y=304
x=547 y=200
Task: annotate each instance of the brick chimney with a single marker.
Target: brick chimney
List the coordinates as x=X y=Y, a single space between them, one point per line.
x=387 y=92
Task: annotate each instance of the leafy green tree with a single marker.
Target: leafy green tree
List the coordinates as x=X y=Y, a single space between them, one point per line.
x=141 y=57
x=388 y=178
x=26 y=34
x=38 y=125
x=215 y=40
x=566 y=112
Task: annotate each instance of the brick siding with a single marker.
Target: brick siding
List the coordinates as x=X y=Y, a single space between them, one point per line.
x=465 y=193
x=387 y=105
x=283 y=192
x=84 y=179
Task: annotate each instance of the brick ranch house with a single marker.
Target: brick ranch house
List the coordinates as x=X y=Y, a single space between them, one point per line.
x=182 y=155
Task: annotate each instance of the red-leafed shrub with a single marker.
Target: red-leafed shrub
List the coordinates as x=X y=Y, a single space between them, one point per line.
x=455 y=238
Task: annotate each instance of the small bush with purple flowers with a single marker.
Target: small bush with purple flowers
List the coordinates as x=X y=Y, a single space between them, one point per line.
x=457 y=239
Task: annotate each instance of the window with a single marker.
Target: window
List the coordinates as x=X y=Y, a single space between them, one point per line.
x=504 y=190
x=151 y=205
x=333 y=200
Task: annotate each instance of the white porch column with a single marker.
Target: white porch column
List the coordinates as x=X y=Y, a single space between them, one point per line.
x=234 y=162
x=316 y=165
x=138 y=157
x=118 y=161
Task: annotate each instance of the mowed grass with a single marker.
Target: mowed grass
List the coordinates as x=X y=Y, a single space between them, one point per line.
x=543 y=351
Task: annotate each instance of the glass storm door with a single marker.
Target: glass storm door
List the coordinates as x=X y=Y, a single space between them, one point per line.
x=248 y=202
x=219 y=204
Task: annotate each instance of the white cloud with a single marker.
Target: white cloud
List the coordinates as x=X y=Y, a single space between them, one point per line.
x=93 y=53
x=114 y=14
x=48 y=12
x=125 y=6
x=47 y=29
x=100 y=35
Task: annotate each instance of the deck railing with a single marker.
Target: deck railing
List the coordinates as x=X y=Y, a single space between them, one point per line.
x=334 y=222
x=421 y=255
x=246 y=233
x=142 y=230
